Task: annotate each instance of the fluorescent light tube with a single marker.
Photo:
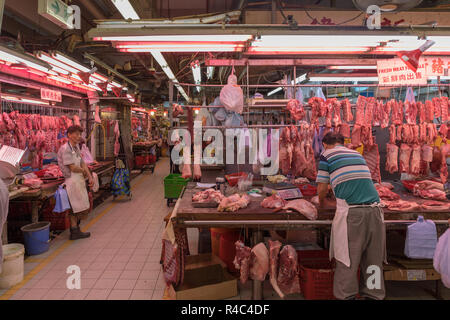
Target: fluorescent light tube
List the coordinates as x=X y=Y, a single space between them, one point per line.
x=352 y=67
x=64 y=59
x=163 y=63
x=126 y=9
x=344 y=79
x=298 y=80
x=210 y=72
x=196 y=71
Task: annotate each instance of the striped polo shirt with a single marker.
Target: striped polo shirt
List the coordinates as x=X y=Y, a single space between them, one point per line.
x=347 y=172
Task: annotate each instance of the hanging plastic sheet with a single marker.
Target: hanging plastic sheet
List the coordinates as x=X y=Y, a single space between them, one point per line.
x=421 y=239
x=62 y=203
x=441 y=259
x=410 y=95
x=319 y=93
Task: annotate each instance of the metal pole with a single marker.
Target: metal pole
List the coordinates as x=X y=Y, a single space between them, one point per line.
x=257 y=288
x=2 y=7
x=307 y=85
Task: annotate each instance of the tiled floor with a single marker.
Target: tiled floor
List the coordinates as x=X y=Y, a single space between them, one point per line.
x=120 y=260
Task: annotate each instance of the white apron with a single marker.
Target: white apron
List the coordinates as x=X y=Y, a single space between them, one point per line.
x=76 y=190
x=339 y=235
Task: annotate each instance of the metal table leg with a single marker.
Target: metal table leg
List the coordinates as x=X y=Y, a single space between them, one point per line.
x=34 y=211
x=257 y=287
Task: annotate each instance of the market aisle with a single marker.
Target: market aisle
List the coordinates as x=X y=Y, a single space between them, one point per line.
x=121 y=258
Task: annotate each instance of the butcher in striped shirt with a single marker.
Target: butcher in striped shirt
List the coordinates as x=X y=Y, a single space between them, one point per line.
x=347 y=173
x=358 y=232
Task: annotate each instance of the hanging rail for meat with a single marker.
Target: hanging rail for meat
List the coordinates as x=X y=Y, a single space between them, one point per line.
x=431 y=85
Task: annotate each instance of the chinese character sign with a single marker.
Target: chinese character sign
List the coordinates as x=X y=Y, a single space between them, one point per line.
x=436 y=66
x=395 y=72
x=51 y=95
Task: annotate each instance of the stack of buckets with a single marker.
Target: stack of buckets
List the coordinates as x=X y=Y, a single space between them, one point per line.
x=223 y=245
x=36 y=237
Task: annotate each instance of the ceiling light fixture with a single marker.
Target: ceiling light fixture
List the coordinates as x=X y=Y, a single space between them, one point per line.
x=196 y=71
x=126 y=9
x=163 y=63
x=298 y=80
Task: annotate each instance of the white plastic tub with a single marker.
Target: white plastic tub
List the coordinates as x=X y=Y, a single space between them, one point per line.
x=13 y=265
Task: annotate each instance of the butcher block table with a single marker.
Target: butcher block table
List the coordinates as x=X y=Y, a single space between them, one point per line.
x=257 y=219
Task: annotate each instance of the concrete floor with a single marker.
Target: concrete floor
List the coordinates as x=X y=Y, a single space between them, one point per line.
x=120 y=261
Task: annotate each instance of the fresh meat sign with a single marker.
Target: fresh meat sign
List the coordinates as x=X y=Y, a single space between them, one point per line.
x=395 y=72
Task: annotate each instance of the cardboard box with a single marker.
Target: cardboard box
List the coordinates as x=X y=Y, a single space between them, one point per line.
x=411 y=274
x=203 y=260
x=211 y=282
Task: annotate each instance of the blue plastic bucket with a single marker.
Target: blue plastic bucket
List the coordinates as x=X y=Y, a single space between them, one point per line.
x=36 y=237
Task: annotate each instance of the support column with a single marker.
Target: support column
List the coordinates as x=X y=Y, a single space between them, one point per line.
x=257 y=286
x=125 y=131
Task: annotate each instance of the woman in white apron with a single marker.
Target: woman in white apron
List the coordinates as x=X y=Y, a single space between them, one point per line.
x=75 y=170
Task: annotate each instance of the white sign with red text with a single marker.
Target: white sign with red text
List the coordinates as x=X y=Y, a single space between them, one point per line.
x=395 y=72
x=51 y=95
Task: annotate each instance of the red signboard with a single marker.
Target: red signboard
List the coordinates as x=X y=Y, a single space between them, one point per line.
x=51 y=95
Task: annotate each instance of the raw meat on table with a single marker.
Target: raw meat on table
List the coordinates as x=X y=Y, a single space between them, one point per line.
x=233 y=203
x=432 y=205
x=405 y=206
x=386 y=193
x=273 y=202
x=288 y=280
x=209 y=195
x=429 y=184
x=259 y=262
x=304 y=207
x=242 y=260
x=434 y=194
x=274 y=251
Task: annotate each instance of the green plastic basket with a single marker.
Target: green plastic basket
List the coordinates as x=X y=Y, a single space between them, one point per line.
x=173 y=185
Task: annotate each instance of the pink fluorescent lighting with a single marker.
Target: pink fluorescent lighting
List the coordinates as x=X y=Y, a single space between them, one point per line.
x=66 y=60
x=54 y=62
x=185 y=49
x=217 y=37
x=60 y=79
x=352 y=67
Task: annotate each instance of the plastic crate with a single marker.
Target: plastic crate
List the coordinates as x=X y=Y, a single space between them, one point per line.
x=173 y=185
x=316 y=274
x=58 y=221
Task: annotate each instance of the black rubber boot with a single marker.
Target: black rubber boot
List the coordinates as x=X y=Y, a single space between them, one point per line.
x=75 y=234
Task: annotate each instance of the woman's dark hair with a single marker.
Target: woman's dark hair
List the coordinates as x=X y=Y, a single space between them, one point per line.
x=332 y=138
x=73 y=129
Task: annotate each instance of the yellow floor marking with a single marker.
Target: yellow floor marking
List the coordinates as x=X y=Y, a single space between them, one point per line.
x=8 y=294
